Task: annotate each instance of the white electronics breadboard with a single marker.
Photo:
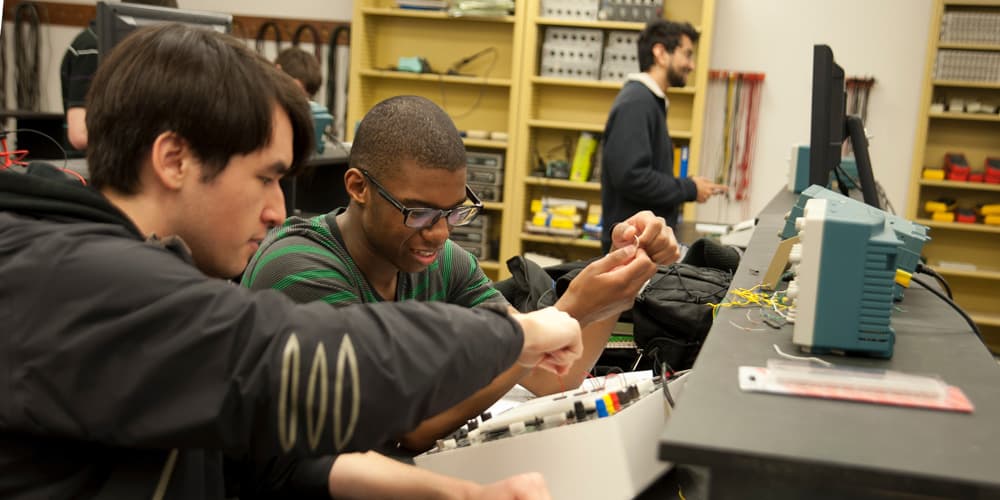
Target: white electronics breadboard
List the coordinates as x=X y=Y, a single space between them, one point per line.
x=593 y=457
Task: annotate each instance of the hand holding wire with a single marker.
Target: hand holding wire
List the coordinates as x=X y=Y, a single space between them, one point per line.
x=651 y=233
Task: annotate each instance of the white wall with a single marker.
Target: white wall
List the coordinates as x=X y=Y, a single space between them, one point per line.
x=886 y=39
x=55 y=38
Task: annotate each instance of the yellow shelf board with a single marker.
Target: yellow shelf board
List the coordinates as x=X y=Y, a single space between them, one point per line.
x=489 y=265
x=429 y=14
x=569 y=82
x=965 y=84
x=976 y=117
x=485 y=143
x=403 y=75
x=561 y=125
x=958 y=226
x=977 y=274
x=593 y=127
x=968 y=46
x=681 y=90
x=561 y=240
x=597 y=84
x=974 y=186
x=985 y=319
x=563 y=183
x=607 y=25
x=970 y=3
x=493 y=205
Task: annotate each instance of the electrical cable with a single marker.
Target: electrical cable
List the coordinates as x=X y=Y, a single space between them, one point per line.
x=801 y=358
x=27 y=56
x=11 y=158
x=482 y=87
x=714 y=111
x=965 y=316
x=331 y=71
x=317 y=43
x=51 y=139
x=940 y=279
x=732 y=113
x=666 y=372
x=883 y=197
x=261 y=38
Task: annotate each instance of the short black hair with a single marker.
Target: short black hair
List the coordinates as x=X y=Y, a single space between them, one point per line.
x=402 y=128
x=666 y=33
x=205 y=86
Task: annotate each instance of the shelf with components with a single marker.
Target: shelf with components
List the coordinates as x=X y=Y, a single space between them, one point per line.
x=479 y=95
x=389 y=11
x=974 y=186
x=965 y=253
x=554 y=111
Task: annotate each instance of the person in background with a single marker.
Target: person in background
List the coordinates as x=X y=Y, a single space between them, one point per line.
x=79 y=64
x=407 y=189
x=637 y=153
x=154 y=378
x=303 y=67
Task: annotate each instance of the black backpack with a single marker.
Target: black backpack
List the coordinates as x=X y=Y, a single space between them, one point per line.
x=670 y=317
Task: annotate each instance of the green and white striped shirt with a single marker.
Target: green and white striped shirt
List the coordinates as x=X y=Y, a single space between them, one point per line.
x=307 y=260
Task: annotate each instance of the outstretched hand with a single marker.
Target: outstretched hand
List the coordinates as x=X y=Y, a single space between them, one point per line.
x=608 y=285
x=654 y=236
x=551 y=340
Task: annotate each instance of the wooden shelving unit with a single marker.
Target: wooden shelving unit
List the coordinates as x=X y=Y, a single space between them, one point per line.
x=534 y=111
x=553 y=111
x=968 y=255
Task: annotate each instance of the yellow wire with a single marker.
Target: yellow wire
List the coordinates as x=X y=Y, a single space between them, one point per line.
x=750 y=298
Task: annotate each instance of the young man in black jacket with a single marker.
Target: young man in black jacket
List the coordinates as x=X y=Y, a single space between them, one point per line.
x=130 y=373
x=638 y=155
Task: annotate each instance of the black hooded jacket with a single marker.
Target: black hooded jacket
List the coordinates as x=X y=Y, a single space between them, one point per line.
x=127 y=373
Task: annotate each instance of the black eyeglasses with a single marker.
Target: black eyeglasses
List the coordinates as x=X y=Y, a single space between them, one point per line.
x=420 y=218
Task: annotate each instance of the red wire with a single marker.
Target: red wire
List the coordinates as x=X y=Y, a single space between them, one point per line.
x=74 y=174
x=741 y=189
x=11 y=158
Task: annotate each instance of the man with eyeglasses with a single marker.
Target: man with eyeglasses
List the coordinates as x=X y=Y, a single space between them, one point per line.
x=406 y=184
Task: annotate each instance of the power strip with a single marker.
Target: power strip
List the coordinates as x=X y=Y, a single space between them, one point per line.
x=590 y=457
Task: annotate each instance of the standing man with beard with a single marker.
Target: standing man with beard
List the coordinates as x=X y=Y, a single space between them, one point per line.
x=638 y=155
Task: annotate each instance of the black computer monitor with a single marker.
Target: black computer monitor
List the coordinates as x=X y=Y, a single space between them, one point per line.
x=831 y=125
x=116 y=20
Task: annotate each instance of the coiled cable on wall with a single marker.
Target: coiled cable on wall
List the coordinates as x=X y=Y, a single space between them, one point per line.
x=331 y=64
x=317 y=42
x=331 y=75
x=262 y=37
x=27 y=55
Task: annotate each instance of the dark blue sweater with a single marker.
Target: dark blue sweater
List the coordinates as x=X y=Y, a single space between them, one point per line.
x=637 y=171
